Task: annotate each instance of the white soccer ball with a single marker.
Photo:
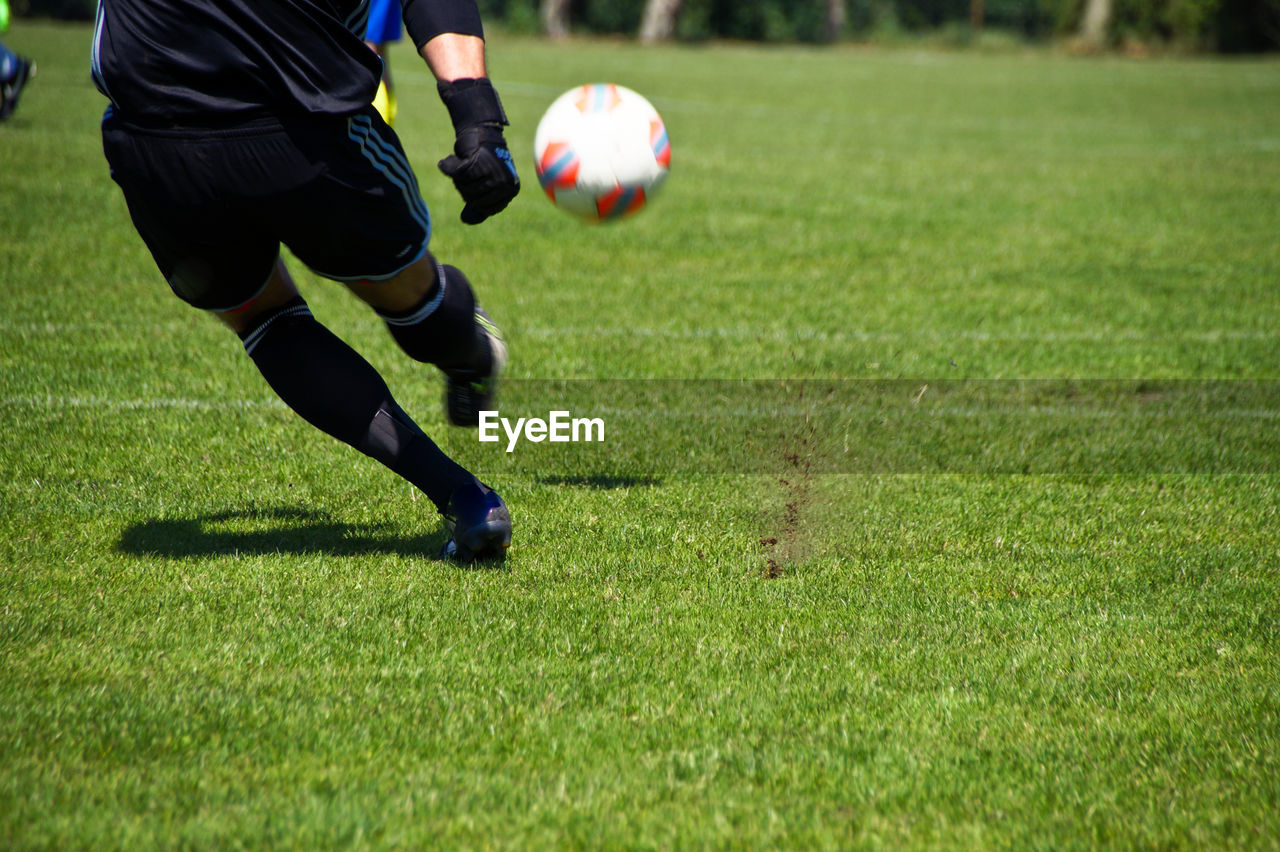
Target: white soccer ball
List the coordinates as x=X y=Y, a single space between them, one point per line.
x=601 y=151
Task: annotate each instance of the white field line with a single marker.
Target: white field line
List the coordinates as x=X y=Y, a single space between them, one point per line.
x=795 y=334
x=741 y=414
x=791 y=334
x=51 y=327
x=542 y=93
x=818 y=416
x=158 y=403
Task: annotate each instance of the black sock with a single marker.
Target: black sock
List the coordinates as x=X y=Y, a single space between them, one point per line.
x=336 y=390
x=442 y=329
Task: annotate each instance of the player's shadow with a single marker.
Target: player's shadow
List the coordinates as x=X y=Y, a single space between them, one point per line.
x=265 y=531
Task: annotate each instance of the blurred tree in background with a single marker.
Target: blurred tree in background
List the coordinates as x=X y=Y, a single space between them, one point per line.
x=1229 y=26
x=70 y=10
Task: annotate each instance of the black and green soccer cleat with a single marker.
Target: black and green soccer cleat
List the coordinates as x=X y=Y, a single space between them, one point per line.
x=468 y=392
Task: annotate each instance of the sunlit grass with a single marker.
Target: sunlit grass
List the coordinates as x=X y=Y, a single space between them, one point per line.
x=220 y=628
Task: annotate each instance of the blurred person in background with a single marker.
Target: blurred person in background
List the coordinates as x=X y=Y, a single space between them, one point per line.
x=383 y=29
x=15 y=71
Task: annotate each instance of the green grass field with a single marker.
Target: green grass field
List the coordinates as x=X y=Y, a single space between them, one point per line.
x=219 y=628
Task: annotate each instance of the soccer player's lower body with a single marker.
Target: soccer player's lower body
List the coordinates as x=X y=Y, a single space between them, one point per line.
x=214 y=206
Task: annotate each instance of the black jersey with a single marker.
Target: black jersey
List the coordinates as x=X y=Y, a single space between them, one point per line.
x=214 y=62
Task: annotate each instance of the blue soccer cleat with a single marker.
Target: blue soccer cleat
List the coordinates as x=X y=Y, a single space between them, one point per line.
x=479 y=525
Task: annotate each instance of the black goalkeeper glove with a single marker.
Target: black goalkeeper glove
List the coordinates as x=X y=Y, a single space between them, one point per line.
x=480 y=165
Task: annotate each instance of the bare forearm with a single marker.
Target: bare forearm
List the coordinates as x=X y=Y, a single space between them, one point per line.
x=451 y=56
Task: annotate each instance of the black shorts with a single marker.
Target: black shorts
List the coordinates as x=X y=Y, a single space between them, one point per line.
x=214 y=205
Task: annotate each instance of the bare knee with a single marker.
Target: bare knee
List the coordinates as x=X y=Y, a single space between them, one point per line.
x=406 y=290
x=280 y=290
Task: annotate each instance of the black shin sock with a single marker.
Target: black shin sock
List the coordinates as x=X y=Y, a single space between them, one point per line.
x=442 y=330
x=336 y=390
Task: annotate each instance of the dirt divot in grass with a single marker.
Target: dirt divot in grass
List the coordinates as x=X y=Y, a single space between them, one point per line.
x=789 y=543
